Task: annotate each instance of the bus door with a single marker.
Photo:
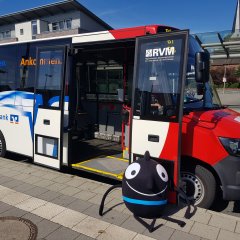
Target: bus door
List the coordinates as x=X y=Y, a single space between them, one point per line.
x=49 y=104
x=159 y=79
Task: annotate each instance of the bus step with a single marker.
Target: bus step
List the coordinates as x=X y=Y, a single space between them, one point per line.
x=110 y=166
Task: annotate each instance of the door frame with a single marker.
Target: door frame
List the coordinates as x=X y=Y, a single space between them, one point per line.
x=185 y=35
x=60 y=108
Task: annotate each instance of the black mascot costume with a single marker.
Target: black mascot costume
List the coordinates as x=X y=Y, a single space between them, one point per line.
x=144 y=188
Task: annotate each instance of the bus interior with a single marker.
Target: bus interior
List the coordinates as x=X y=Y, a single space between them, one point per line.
x=101 y=90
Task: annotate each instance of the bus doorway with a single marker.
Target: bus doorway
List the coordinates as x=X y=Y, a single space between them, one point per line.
x=101 y=89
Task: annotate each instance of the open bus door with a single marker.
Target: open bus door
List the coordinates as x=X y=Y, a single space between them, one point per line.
x=157 y=109
x=48 y=107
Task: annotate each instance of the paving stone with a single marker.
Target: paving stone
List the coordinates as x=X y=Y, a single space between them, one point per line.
x=55 y=187
x=61 y=179
x=45 y=228
x=227 y=235
x=197 y=214
x=116 y=204
x=22 y=176
x=91 y=227
x=35 y=192
x=12 y=173
x=11 y=184
x=31 y=204
x=178 y=235
x=5 y=179
x=85 y=195
x=223 y=222
x=49 y=195
x=50 y=176
x=48 y=211
x=4 y=207
x=237 y=230
x=79 y=205
x=33 y=218
x=39 y=173
x=5 y=192
x=204 y=231
x=161 y=233
x=102 y=189
x=31 y=179
x=63 y=233
x=13 y=212
x=142 y=237
x=110 y=216
x=83 y=237
x=5 y=172
x=15 y=198
x=88 y=186
x=43 y=183
x=179 y=223
x=116 y=193
x=28 y=169
x=115 y=233
x=63 y=200
x=70 y=191
x=132 y=224
x=23 y=187
x=69 y=218
x=76 y=182
x=98 y=198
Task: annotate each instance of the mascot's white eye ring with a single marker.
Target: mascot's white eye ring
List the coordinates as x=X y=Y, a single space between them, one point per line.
x=162 y=172
x=132 y=170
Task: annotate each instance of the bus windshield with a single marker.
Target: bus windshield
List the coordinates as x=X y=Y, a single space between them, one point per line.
x=198 y=95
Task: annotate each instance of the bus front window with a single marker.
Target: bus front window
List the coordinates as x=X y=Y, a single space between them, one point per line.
x=198 y=95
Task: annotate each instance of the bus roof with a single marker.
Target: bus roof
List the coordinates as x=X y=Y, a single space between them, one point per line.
x=123 y=33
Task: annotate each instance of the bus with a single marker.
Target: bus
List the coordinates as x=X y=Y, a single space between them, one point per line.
x=97 y=101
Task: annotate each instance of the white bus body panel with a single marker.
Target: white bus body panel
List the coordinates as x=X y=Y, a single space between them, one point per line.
x=16 y=121
x=140 y=131
x=44 y=134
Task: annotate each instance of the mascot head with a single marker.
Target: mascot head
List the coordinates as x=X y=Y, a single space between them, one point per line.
x=144 y=187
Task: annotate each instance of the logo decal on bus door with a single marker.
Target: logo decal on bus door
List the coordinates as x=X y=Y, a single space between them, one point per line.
x=14 y=119
x=160 y=52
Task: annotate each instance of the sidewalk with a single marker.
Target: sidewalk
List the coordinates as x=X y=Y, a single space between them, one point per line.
x=65 y=207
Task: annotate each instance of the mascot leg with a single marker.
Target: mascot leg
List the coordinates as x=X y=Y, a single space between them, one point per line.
x=104 y=197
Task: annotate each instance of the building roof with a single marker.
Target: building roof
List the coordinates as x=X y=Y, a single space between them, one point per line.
x=49 y=10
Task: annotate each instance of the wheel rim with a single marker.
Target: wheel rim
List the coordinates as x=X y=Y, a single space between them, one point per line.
x=193 y=186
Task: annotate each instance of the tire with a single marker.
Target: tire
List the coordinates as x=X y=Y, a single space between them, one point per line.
x=2 y=145
x=199 y=185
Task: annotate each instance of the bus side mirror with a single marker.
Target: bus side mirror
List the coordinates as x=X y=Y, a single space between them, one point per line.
x=202 y=67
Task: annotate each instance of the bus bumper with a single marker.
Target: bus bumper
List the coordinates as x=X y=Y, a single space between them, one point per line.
x=228 y=171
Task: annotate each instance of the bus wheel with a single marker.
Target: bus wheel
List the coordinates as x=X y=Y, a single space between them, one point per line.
x=199 y=185
x=2 y=145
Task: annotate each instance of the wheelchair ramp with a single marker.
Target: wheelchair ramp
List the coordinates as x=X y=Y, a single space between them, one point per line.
x=110 y=166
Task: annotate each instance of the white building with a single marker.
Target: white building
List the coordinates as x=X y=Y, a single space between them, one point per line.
x=62 y=18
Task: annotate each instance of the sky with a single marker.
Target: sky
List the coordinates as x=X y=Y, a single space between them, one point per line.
x=198 y=16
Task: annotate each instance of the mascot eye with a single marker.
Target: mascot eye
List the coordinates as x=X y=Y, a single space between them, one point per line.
x=132 y=170
x=162 y=173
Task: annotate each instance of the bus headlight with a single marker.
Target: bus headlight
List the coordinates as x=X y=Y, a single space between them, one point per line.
x=231 y=145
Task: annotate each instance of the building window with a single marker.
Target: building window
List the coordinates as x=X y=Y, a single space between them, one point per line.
x=21 y=31
x=62 y=25
x=5 y=34
x=34 y=28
